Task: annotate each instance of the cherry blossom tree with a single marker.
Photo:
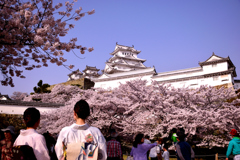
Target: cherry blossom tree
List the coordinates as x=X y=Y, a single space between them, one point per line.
x=18 y=95
x=205 y=113
x=30 y=35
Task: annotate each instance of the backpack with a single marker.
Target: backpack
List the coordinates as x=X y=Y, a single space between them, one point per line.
x=23 y=152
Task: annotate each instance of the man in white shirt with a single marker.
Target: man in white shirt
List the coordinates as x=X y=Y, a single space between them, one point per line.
x=30 y=136
x=154 y=153
x=78 y=132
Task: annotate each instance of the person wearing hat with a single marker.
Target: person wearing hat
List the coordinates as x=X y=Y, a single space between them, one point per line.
x=234 y=145
x=7 y=143
x=114 y=151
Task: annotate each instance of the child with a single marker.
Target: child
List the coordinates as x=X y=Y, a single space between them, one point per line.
x=165 y=155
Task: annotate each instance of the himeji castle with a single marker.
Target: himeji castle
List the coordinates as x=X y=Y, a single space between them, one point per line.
x=125 y=65
x=89 y=72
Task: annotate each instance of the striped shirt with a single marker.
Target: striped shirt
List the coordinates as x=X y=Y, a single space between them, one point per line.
x=114 y=149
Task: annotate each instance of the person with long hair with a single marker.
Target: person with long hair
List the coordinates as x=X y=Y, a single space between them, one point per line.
x=139 y=149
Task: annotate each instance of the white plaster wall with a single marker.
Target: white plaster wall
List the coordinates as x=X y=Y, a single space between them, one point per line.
x=205 y=70
x=13 y=109
x=177 y=76
x=194 y=83
x=218 y=68
x=74 y=76
x=90 y=71
x=115 y=83
x=122 y=53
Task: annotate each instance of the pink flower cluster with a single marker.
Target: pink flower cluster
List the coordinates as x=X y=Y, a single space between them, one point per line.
x=30 y=34
x=206 y=113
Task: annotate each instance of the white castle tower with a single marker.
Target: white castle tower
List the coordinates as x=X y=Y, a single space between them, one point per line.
x=124 y=59
x=124 y=65
x=90 y=72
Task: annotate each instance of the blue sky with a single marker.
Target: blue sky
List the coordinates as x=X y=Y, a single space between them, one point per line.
x=171 y=34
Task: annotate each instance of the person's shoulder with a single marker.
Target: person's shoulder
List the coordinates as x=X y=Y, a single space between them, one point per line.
x=66 y=129
x=35 y=135
x=95 y=130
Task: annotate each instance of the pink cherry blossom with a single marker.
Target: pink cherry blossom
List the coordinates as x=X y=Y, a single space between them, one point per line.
x=30 y=29
x=206 y=112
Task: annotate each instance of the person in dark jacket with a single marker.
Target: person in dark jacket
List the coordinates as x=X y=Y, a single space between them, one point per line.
x=184 y=150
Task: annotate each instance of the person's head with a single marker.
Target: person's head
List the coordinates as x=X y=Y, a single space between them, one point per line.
x=234 y=133
x=165 y=147
x=31 y=117
x=9 y=132
x=160 y=140
x=81 y=110
x=174 y=130
x=147 y=137
x=139 y=139
x=182 y=130
x=113 y=133
x=180 y=136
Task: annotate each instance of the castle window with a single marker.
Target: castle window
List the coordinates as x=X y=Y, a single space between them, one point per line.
x=224 y=80
x=215 y=78
x=214 y=65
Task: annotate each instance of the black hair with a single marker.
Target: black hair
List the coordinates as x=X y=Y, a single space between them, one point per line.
x=147 y=137
x=49 y=141
x=82 y=109
x=181 y=136
x=138 y=139
x=31 y=115
x=174 y=130
x=182 y=130
x=165 y=146
x=1 y=135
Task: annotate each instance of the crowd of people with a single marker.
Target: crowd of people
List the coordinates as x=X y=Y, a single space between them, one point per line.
x=82 y=141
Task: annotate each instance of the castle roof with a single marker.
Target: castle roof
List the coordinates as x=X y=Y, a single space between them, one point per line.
x=90 y=68
x=128 y=57
x=77 y=72
x=124 y=48
x=129 y=74
x=24 y=103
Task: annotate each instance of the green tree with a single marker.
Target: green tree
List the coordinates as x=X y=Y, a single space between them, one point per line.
x=41 y=88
